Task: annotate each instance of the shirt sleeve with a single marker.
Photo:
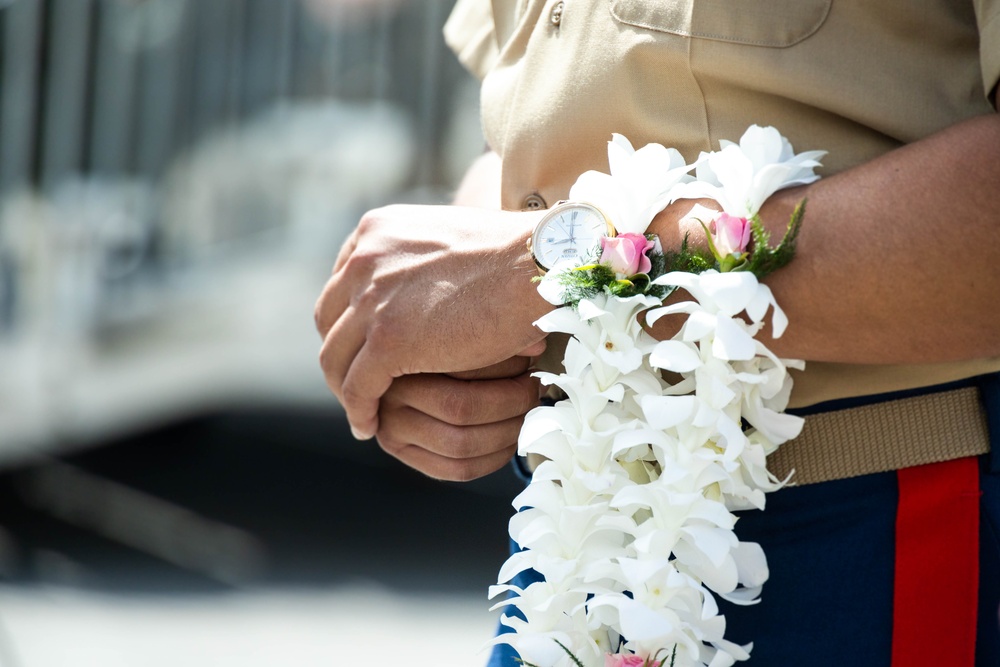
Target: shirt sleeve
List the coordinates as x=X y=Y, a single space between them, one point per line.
x=988 y=17
x=471 y=34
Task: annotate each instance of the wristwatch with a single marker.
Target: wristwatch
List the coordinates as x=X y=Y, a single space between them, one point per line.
x=568 y=230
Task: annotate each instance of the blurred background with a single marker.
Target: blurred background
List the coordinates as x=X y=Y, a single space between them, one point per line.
x=177 y=486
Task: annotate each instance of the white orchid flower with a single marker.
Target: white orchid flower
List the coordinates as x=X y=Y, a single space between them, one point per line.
x=639 y=186
x=740 y=177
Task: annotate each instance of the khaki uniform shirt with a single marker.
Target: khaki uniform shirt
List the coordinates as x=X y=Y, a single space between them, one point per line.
x=854 y=77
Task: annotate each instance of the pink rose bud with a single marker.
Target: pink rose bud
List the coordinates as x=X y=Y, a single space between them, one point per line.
x=620 y=660
x=731 y=235
x=626 y=253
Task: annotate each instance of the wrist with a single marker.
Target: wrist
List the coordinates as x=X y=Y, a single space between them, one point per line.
x=776 y=211
x=673 y=224
x=521 y=268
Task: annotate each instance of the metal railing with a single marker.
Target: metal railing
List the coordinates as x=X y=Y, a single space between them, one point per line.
x=153 y=150
x=120 y=86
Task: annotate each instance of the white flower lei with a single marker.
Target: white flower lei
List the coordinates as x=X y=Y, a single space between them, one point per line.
x=629 y=518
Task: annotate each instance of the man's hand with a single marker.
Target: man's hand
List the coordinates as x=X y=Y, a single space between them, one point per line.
x=425 y=289
x=458 y=427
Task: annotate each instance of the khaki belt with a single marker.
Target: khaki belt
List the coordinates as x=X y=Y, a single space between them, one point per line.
x=885 y=436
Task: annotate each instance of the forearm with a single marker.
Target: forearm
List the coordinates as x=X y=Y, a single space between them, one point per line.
x=898 y=258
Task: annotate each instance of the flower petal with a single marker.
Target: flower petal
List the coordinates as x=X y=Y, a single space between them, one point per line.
x=640 y=623
x=732 y=342
x=731 y=292
x=664 y=412
x=751 y=564
x=676 y=356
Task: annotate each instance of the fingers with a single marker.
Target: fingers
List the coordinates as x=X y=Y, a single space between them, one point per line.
x=333 y=301
x=465 y=403
x=362 y=389
x=341 y=342
x=330 y=307
x=455 y=429
x=504 y=369
x=345 y=250
x=446 y=451
x=356 y=378
x=453 y=470
x=407 y=427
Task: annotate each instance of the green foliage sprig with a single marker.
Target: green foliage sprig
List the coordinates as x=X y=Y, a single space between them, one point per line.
x=764 y=259
x=687 y=259
x=592 y=277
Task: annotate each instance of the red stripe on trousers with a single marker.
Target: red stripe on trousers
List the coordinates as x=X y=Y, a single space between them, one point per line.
x=937 y=565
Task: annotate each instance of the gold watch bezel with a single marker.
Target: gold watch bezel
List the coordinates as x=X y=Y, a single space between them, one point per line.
x=557 y=209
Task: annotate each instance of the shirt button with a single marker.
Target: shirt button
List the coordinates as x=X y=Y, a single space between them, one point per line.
x=555 y=17
x=533 y=202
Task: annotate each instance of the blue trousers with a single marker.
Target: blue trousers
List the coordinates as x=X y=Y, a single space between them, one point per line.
x=831 y=552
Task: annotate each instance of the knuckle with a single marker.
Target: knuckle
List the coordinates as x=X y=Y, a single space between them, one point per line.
x=375 y=220
x=458 y=442
x=463 y=411
x=360 y=266
x=328 y=366
x=369 y=221
x=464 y=407
x=389 y=444
x=323 y=310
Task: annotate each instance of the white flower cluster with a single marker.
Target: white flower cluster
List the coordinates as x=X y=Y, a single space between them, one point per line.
x=629 y=518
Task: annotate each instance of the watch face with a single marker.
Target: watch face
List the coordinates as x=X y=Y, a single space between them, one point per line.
x=568 y=232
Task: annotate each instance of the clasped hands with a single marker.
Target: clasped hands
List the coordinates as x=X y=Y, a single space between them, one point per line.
x=428 y=336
